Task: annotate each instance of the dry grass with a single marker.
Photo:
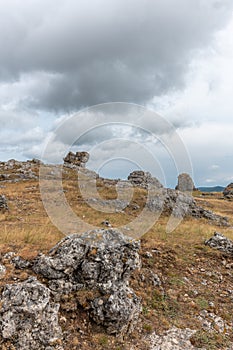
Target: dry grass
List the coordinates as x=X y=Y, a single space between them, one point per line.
x=182 y=260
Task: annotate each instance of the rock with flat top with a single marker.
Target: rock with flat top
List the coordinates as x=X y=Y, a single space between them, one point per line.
x=185 y=183
x=78 y=159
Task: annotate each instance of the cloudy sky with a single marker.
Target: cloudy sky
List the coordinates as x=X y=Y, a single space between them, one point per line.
x=174 y=57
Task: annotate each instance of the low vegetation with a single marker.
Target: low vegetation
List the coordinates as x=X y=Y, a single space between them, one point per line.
x=193 y=277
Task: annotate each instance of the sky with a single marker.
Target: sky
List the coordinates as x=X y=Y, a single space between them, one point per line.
x=172 y=57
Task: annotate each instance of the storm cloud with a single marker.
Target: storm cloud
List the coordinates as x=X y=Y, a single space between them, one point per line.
x=172 y=56
x=79 y=53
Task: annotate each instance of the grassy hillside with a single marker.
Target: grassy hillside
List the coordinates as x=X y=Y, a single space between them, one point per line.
x=194 y=277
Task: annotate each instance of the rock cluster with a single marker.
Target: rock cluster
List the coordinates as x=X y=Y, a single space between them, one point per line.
x=29 y=319
x=13 y=170
x=78 y=159
x=143 y=179
x=220 y=242
x=100 y=261
x=180 y=205
x=185 y=183
x=3 y=203
x=228 y=191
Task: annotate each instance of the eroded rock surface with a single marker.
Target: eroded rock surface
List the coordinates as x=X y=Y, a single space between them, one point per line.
x=76 y=159
x=2 y=271
x=228 y=191
x=29 y=318
x=14 y=171
x=185 y=183
x=3 y=203
x=181 y=205
x=143 y=179
x=99 y=260
x=220 y=242
x=174 y=339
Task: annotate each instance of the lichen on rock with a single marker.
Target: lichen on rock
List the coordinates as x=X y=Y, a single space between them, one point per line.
x=29 y=318
x=99 y=260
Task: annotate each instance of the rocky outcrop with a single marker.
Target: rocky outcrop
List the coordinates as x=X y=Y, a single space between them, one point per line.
x=181 y=205
x=220 y=242
x=29 y=318
x=3 y=203
x=100 y=261
x=185 y=183
x=14 y=171
x=143 y=179
x=228 y=191
x=78 y=159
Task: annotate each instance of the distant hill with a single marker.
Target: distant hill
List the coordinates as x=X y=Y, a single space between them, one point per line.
x=211 y=189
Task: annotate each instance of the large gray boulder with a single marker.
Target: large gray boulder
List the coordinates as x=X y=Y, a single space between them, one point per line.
x=98 y=260
x=185 y=183
x=29 y=318
x=228 y=191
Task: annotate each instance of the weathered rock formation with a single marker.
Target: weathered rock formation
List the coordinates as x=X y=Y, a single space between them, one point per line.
x=78 y=159
x=181 y=204
x=29 y=318
x=143 y=179
x=228 y=191
x=185 y=183
x=3 y=203
x=220 y=242
x=100 y=261
x=14 y=171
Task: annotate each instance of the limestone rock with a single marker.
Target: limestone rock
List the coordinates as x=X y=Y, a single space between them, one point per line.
x=3 y=203
x=118 y=312
x=99 y=260
x=228 y=191
x=2 y=271
x=220 y=242
x=20 y=263
x=180 y=205
x=185 y=183
x=76 y=159
x=174 y=339
x=143 y=179
x=29 y=319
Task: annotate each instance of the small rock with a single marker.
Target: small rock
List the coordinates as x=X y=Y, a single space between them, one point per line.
x=173 y=339
x=21 y=263
x=2 y=270
x=148 y=255
x=220 y=242
x=3 y=203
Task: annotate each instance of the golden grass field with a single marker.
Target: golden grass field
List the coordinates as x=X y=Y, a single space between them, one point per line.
x=194 y=277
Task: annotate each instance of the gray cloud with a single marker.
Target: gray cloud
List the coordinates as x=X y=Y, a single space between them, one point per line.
x=59 y=56
x=119 y=50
